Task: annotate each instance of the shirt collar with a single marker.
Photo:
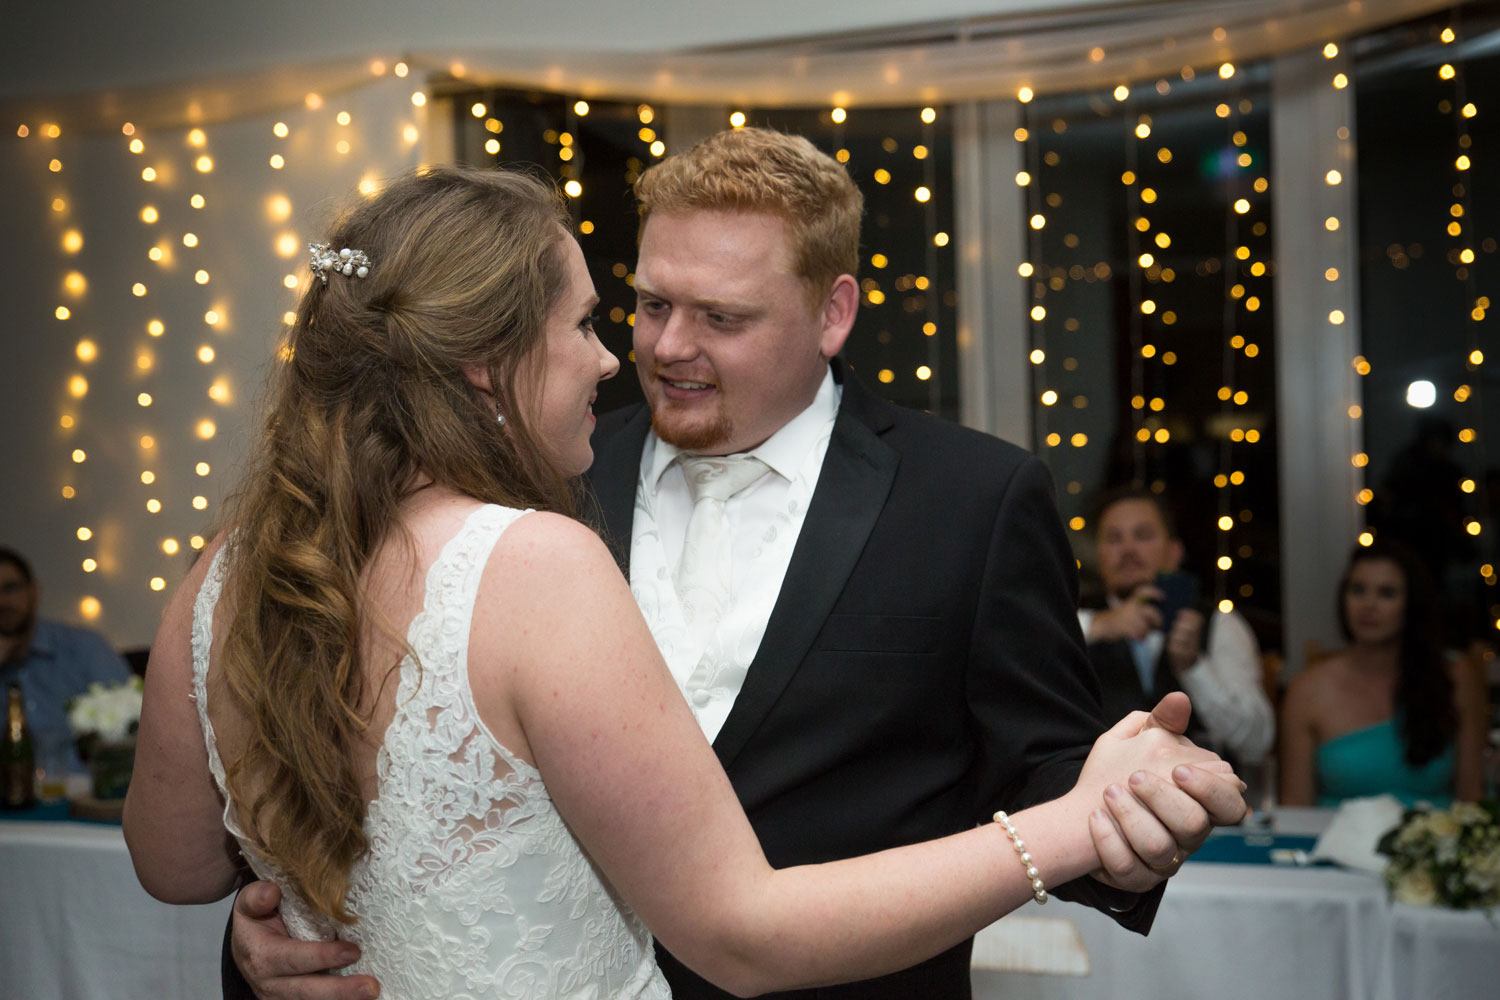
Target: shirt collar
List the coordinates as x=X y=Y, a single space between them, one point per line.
x=782 y=451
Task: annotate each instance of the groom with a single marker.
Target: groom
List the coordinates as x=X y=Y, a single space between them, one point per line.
x=875 y=623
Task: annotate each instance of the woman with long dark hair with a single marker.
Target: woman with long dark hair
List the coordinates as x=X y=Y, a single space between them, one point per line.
x=1389 y=713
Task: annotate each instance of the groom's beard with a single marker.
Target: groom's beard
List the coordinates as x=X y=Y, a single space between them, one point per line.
x=698 y=437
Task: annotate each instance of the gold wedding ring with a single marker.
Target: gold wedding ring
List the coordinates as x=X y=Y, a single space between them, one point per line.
x=1176 y=859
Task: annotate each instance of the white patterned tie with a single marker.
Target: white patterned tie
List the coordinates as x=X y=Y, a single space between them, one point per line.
x=702 y=578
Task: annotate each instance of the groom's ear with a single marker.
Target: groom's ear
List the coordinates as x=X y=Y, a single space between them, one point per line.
x=839 y=311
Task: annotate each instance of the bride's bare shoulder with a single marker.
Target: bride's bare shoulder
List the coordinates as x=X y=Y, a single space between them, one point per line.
x=543 y=549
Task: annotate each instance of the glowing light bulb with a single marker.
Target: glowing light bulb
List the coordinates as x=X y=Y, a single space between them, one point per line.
x=1421 y=394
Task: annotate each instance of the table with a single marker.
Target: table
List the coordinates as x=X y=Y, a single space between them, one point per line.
x=75 y=923
x=1257 y=931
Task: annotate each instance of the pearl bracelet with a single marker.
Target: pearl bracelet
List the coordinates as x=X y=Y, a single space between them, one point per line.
x=1038 y=890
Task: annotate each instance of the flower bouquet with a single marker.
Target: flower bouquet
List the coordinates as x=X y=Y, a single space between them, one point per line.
x=1445 y=857
x=104 y=720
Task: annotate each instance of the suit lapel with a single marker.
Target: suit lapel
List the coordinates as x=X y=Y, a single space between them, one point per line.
x=855 y=480
x=612 y=479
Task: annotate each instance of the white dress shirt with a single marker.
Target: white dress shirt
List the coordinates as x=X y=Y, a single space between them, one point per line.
x=765 y=518
x=1224 y=684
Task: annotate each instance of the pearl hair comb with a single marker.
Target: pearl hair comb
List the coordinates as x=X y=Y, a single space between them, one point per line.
x=351 y=263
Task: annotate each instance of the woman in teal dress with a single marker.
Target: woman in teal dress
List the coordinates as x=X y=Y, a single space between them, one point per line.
x=1390 y=713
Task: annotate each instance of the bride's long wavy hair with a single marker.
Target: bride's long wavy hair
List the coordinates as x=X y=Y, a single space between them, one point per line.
x=371 y=401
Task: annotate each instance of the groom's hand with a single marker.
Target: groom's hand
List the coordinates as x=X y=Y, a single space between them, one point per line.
x=279 y=967
x=1144 y=832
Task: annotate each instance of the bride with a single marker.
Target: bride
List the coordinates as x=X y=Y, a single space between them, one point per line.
x=415 y=692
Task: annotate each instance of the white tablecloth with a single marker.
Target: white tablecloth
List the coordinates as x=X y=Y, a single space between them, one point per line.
x=76 y=925
x=1231 y=931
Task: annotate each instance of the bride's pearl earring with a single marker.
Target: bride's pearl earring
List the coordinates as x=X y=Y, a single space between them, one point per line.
x=500 y=417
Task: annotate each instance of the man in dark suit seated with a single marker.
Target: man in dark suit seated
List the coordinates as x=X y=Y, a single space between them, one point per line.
x=1152 y=637
x=890 y=652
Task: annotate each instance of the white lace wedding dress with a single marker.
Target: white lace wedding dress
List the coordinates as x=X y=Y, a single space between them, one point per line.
x=473 y=885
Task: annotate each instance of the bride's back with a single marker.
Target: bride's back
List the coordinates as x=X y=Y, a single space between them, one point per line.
x=472 y=880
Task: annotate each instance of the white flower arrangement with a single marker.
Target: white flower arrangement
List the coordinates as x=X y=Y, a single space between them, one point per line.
x=108 y=713
x=1446 y=857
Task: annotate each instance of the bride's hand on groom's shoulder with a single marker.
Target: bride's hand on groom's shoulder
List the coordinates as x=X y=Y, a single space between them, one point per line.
x=278 y=966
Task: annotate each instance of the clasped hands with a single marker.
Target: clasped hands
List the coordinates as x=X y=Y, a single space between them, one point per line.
x=1144 y=827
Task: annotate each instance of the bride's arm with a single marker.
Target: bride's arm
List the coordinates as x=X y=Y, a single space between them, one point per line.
x=174 y=818
x=560 y=653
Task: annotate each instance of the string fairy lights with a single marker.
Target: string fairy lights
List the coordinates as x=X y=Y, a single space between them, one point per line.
x=137 y=299
x=1181 y=299
x=1463 y=173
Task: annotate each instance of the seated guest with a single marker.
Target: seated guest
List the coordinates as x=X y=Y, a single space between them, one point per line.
x=1148 y=642
x=1389 y=713
x=51 y=661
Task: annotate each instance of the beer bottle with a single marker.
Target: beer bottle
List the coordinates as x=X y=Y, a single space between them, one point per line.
x=17 y=758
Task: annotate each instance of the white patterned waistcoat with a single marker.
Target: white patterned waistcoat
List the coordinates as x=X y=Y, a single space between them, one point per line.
x=710 y=669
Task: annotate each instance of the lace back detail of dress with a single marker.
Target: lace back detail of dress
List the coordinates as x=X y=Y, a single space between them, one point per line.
x=473 y=885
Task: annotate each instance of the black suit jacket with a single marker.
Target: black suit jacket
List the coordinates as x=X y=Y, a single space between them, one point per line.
x=1121 y=691
x=922 y=665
